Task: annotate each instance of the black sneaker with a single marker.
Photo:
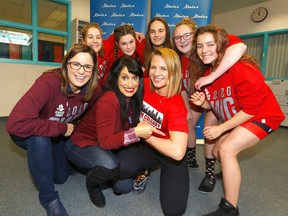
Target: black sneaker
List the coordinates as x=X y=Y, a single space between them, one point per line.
x=225 y=209
x=207 y=185
x=141 y=182
x=55 y=208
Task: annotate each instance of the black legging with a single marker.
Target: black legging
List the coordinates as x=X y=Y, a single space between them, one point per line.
x=174 y=177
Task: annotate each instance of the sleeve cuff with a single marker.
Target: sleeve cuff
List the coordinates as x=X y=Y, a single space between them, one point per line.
x=130 y=137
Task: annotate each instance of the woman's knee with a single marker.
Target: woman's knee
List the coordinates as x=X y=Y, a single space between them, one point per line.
x=35 y=142
x=110 y=163
x=38 y=143
x=225 y=152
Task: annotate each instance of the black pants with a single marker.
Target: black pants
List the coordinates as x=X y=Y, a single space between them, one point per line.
x=174 y=177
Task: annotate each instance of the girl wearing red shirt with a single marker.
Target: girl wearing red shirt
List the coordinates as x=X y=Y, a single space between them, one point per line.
x=157 y=36
x=92 y=36
x=241 y=100
x=124 y=42
x=183 y=39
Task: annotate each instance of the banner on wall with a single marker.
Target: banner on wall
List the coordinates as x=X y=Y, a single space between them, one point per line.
x=113 y=13
x=174 y=10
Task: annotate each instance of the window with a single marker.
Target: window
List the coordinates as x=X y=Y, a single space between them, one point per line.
x=50 y=48
x=255 y=47
x=277 y=56
x=15 y=43
x=34 y=31
x=271 y=50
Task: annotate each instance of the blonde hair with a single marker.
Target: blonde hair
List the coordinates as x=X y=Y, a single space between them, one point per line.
x=174 y=69
x=188 y=22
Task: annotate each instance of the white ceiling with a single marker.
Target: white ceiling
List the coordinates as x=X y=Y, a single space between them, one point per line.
x=222 y=6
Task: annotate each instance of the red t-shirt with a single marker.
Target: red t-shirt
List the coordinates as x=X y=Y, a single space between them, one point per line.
x=165 y=114
x=243 y=87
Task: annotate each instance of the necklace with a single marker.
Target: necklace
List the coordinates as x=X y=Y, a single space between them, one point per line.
x=160 y=97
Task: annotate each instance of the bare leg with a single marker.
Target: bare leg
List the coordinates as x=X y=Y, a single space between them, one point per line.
x=196 y=113
x=226 y=150
x=191 y=147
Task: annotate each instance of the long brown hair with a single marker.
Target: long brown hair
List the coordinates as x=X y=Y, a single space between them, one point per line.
x=197 y=67
x=91 y=85
x=149 y=46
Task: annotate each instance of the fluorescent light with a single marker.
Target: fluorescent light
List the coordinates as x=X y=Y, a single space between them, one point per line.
x=15 y=38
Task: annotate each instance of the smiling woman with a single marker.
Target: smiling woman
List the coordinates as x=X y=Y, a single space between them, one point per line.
x=128 y=83
x=244 y=104
x=163 y=107
x=112 y=123
x=43 y=118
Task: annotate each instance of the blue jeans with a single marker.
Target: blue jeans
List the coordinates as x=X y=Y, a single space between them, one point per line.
x=91 y=156
x=47 y=164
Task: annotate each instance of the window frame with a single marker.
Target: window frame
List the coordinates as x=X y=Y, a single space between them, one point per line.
x=265 y=48
x=35 y=30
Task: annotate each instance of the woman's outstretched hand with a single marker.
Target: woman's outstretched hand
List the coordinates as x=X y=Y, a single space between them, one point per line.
x=145 y=130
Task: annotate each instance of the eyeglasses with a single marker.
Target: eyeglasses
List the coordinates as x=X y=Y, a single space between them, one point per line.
x=186 y=36
x=77 y=66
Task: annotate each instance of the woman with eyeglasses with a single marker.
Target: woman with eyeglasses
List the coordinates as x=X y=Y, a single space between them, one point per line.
x=44 y=118
x=183 y=40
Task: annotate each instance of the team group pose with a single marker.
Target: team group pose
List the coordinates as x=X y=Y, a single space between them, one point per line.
x=122 y=107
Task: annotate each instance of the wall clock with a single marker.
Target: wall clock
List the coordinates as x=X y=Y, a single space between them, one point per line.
x=259 y=14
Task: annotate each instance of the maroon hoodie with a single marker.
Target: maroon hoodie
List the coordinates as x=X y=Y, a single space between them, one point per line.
x=44 y=110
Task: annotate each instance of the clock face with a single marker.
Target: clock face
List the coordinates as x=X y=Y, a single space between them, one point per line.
x=259 y=14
